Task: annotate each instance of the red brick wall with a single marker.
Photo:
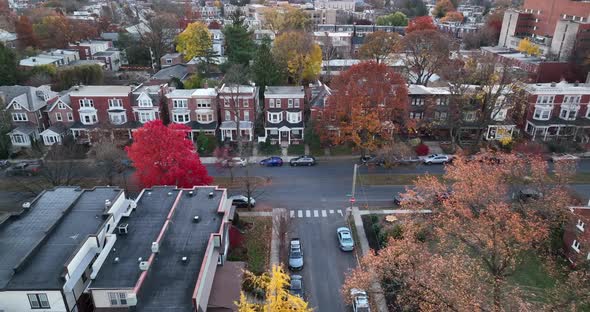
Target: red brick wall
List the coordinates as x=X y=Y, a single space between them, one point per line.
x=251 y=108
x=64 y=115
x=101 y=104
x=552 y=11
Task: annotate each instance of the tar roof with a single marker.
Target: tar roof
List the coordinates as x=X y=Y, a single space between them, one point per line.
x=45 y=268
x=144 y=225
x=184 y=238
x=100 y=91
x=284 y=90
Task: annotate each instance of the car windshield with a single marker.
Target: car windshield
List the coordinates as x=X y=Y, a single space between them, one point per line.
x=346 y=239
x=295 y=284
x=295 y=254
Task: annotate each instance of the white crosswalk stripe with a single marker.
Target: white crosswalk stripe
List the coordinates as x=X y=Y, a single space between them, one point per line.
x=331 y=211
x=316 y=214
x=308 y=213
x=300 y=213
x=292 y=213
x=340 y=212
x=324 y=214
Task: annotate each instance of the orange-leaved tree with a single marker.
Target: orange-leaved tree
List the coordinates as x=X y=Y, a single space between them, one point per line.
x=460 y=256
x=452 y=16
x=420 y=23
x=369 y=103
x=427 y=51
x=164 y=156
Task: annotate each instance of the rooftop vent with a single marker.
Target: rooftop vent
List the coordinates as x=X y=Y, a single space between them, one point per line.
x=169 y=193
x=184 y=259
x=155 y=247
x=116 y=260
x=191 y=194
x=107 y=204
x=123 y=228
x=196 y=219
x=211 y=194
x=553 y=84
x=144 y=265
x=26 y=205
x=149 y=193
x=139 y=259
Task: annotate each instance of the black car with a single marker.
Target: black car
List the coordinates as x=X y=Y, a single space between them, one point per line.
x=302 y=161
x=296 y=286
x=372 y=160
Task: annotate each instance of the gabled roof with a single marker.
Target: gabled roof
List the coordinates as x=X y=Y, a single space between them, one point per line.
x=29 y=97
x=179 y=71
x=64 y=98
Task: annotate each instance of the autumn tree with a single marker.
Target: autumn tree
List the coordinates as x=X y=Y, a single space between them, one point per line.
x=164 y=156
x=24 y=33
x=299 y=54
x=239 y=46
x=427 y=52
x=286 y=18
x=393 y=19
x=527 y=47
x=8 y=71
x=442 y=8
x=452 y=17
x=158 y=34
x=369 y=100
x=277 y=297
x=420 y=23
x=235 y=77
x=379 y=46
x=108 y=157
x=194 y=41
x=460 y=257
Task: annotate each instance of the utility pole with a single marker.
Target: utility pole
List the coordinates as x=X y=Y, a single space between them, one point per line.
x=352 y=199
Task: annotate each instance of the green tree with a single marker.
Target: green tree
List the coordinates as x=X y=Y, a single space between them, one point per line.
x=8 y=70
x=265 y=70
x=194 y=41
x=194 y=82
x=5 y=125
x=136 y=52
x=394 y=19
x=75 y=75
x=239 y=46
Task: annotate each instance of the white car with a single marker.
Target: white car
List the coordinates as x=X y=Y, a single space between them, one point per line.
x=558 y=157
x=241 y=201
x=235 y=162
x=437 y=159
x=360 y=300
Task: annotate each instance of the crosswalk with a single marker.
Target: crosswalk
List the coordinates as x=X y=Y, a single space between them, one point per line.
x=315 y=213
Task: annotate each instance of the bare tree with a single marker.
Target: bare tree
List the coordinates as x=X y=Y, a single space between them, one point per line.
x=109 y=160
x=251 y=188
x=60 y=166
x=282 y=226
x=223 y=160
x=158 y=34
x=236 y=76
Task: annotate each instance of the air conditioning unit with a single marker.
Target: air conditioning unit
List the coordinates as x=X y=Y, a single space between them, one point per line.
x=123 y=228
x=155 y=247
x=211 y=194
x=131 y=299
x=132 y=204
x=26 y=205
x=107 y=204
x=144 y=265
x=191 y=194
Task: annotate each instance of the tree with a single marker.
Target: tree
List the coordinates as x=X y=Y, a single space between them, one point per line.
x=452 y=17
x=528 y=48
x=158 y=34
x=194 y=41
x=460 y=257
x=286 y=18
x=24 y=33
x=234 y=78
x=297 y=52
x=164 y=156
x=53 y=31
x=409 y=7
x=108 y=159
x=60 y=167
x=442 y=8
x=369 y=98
x=8 y=69
x=277 y=296
x=5 y=128
x=420 y=23
x=379 y=46
x=265 y=70
x=67 y=77
x=394 y=19
x=137 y=53
x=239 y=46
x=427 y=52
x=194 y=82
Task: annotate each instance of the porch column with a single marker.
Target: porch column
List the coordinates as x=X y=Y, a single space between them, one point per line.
x=546 y=132
x=250 y=132
x=534 y=132
x=289 y=137
x=302 y=134
x=129 y=134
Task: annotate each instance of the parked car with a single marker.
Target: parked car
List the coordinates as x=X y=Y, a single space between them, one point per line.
x=295 y=255
x=4 y=163
x=528 y=194
x=360 y=300
x=234 y=162
x=559 y=157
x=296 y=286
x=302 y=161
x=24 y=169
x=345 y=240
x=273 y=161
x=241 y=201
x=403 y=198
x=437 y=159
x=371 y=160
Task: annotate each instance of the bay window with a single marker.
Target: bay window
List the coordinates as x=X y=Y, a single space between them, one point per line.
x=144 y=117
x=118 y=118
x=275 y=117
x=542 y=112
x=88 y=118
x=181 y=117
x=293 y=117
x=205 y=118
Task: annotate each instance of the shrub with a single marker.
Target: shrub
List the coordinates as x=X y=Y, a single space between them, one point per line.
x=295 y=150
x=422 y=149
x=556 y=147
x=396 y=232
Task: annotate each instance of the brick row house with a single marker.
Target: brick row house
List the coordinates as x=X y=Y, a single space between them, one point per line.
x=283 y=111
x=576 y=235
x=196 y=108
x=239 y=105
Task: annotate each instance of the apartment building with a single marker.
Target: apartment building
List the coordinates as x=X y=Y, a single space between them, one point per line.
x=58 y=58
x=88 y=48
x=238 y=107
x=196 y=108
x=283 y=111
x=576 y=237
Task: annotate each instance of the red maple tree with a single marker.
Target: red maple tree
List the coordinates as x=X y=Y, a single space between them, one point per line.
x=420 y=23
x=164 y=156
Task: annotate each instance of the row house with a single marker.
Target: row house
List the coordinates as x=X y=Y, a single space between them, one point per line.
x=61 y=117
x=576 y=237
x=87 y=49
x=558 y=111
x=283 y=110
x=195 y=108
x=146 y=103
x=26 y=107
x=429 y=106
x=238 y=109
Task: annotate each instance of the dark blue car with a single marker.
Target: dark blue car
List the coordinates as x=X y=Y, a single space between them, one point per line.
x=272 y=161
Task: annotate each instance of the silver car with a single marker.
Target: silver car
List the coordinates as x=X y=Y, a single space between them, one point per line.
x=345 y=239
x=295 y=255
x=437 y=159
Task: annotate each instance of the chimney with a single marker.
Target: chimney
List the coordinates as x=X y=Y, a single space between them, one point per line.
x=553 y=84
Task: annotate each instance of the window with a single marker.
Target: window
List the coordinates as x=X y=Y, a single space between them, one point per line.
x=296 y=103
x=542 y=112
x=18 y=139
x=275 y=117
x=271 y=103
x=571 y=99
x=440 y=115
x=146 y=116
x=246 y=115
x=19 y=117
x=293 y=117
x=118 y=118
x=202 y=103
x=417 y=101
x=278 y=103
x=225 y=102
x=416 y=115
x=442 y=101
x=205 y=118
x=576 y=245
x=38 y=301
x=168 y=61
x=499 y=114
x=51 y=139
x=145 y=103
x=290 y=103
x=245 y=103
x=39 y=114
x=88 y=118
x=86 y=103
x=118 y=299
x=58 y=116
x=545 y=99
x=569 y=112
x=179 y=103
x=181 y=117
x=227 y=116
x=580 y=225
x=16 y=106
x=469 y=116
x=70 y=117
x=115 y=103
x=61 y=105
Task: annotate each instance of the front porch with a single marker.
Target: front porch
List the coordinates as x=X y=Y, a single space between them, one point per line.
x=229 y=130
x=562 y=132
x=23 y=136
x=284 y=135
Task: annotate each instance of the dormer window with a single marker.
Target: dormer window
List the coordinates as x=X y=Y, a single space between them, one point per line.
x=61 y=105
x=16 y=106
x=180 y=103
x=115 y=103
x=145 y=103
x=580 y=225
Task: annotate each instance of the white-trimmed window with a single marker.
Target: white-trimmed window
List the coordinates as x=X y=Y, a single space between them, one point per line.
x=275 y=117
x=58 y=117
x=572 y=99
x=38 y=301
x=278 y=103
x=86 y=103
x=146 y=116
x=580 y=225
x=20 y=117
x=271 y=103
x=545 y=99
x=61 y=105
x=181 y=117
x=145 y=103
x=118 y=298
x=416 y=115
x=118 y=118
x=542 y=112
x=205 y=118
x=203 y=103
x=569 y=112
x=88 y=118
x=296 y=104
x=16 y=106
x=418 y=101
x=500 y=114
x=18 y=138
x=442 y=101
x=293 y=117
x=227 y=116
x=576 y=246
x=290 y=103
x=70 y=117
x=225 y=102
x=180 y=103
x=469 y=116
x=115 y=103
x=440 y=115
x=246 y=115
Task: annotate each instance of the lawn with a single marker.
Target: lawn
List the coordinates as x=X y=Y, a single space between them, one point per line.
x=532 y=277
x=238 y=182
x=296 y=150
x=341 y=150
x=255 y=249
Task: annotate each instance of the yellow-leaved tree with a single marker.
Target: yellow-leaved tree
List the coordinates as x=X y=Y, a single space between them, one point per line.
x=529 y=48
x=299 y=54
x=194 y=41
x=277 y=297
